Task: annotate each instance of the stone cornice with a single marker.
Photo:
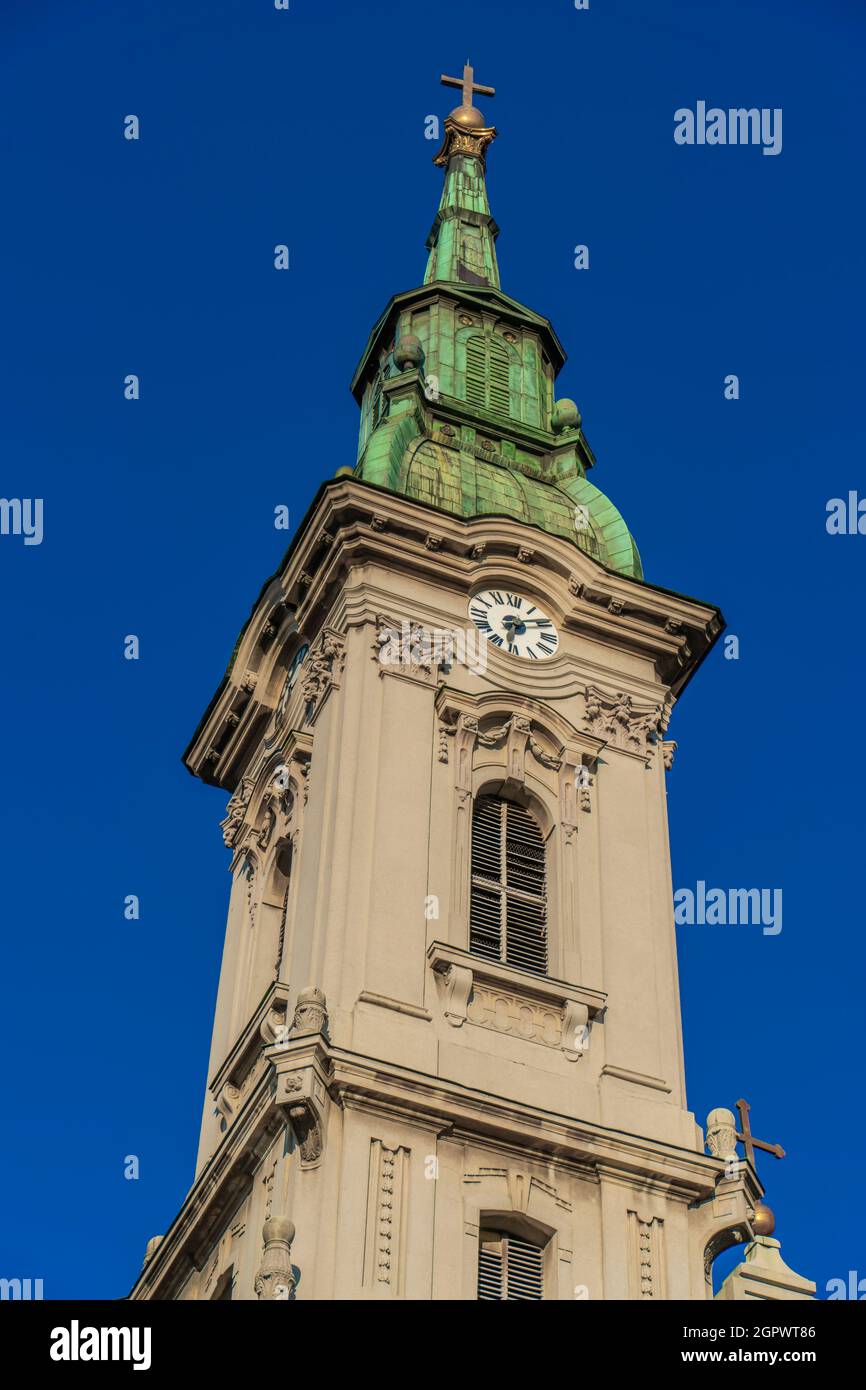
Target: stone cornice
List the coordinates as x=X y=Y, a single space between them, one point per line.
x=353 y=523
x=478 y=1114
x=258 y=1033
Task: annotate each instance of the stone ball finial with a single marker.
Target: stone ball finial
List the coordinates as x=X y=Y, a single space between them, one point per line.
x=408 y=352
x=278 y=1228
x=721 y=1133
x=311 y=1012
x=764 y=1220
x=566 y=416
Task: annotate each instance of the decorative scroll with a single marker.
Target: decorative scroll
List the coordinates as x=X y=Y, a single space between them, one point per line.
x=236 y=811
x=325 y=666
x=303 y=1100
x=518 y=727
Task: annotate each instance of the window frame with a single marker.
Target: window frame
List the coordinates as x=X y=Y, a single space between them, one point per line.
x=514 y=943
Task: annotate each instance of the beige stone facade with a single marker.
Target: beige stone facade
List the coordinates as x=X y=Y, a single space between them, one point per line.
x=382 y=1099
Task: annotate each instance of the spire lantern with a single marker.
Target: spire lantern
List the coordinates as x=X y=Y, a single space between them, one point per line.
x=461 y=241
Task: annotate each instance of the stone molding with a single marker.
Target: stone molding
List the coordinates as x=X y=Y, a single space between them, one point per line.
x=387 y=1219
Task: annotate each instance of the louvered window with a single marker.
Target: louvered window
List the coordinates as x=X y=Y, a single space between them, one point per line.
x=509 y=1269
x=508 y=912
x=377 y=402
x=487 y=365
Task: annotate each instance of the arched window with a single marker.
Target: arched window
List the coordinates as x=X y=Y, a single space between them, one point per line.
x=509 y=1269
x=487 y=365
x=508 y=907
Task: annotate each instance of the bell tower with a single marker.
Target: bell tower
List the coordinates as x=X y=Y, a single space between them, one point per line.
x=447 y=1052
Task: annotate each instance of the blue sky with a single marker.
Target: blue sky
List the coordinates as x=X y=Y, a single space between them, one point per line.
x=155 y=257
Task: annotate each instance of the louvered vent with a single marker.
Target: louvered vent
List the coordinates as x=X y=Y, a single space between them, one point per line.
x=476 y=372
x=509 y=1269
x=497 y=377
x=508 y=912
x=487 y=374
x=490 y=1270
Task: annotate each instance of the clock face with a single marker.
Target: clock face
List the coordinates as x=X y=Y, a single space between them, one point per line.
x=514 y=624
x=291 y=676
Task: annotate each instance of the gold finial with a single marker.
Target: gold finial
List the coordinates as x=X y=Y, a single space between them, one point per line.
x=466 y=114
x=466 y=131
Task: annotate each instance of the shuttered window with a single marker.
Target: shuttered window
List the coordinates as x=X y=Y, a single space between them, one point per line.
x=509 y=1269
x=508 y=909
x=487 y=365
x=377 y=403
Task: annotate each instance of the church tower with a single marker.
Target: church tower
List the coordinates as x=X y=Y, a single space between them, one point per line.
x=447 y=1054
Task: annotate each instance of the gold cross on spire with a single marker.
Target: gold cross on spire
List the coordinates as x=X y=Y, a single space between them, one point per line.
x=746 y=1139
x=468 y=85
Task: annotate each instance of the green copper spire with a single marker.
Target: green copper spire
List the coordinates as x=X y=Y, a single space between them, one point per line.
x=457 y=383
x=461 y=240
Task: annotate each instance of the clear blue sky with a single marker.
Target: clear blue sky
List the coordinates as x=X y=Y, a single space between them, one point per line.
x=156 y=257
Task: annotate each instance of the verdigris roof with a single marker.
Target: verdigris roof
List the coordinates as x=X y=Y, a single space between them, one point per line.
x=457 y=384
x=468 y=486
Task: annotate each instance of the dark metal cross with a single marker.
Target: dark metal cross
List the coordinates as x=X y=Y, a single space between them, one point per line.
x=748 y=1142
x=467 y=85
